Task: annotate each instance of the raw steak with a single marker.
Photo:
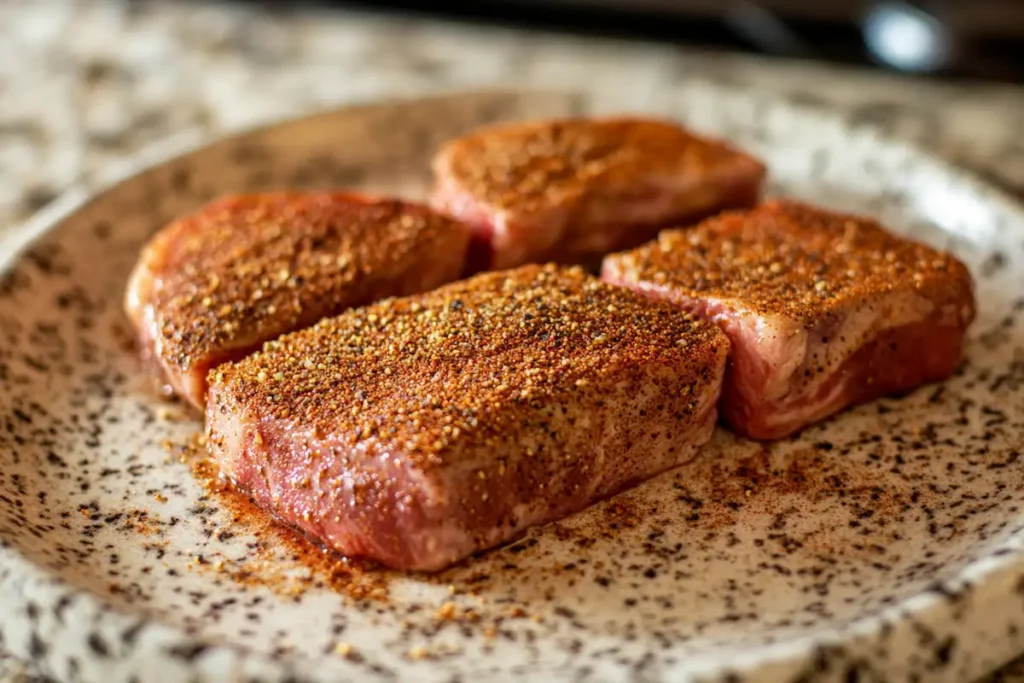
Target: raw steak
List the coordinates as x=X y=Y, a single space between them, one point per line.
x=217 y=284
x=572 y=190
x=823 y=310
x=420 y=430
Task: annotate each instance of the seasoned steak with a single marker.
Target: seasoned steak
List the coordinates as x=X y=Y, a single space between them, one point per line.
x=217 y=284
x=572 y=190
x=823 y=310
x=417 y=431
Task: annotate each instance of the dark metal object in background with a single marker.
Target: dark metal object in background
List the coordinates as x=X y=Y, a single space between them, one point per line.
x=977 y=38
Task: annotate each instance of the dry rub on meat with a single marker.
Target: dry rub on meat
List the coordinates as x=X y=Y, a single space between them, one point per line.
x=217 y=284
x=823 y=310
x=417 y=431
x=573 y=190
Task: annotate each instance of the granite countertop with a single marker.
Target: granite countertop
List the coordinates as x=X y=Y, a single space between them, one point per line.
x=86 y=83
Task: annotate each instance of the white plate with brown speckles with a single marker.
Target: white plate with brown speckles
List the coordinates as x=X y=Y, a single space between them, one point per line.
x=886 y=543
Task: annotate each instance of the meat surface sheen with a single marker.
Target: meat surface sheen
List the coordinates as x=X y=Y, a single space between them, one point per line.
x=823 y=310
x=573 y=190
x=420 y=430
x=215 y=285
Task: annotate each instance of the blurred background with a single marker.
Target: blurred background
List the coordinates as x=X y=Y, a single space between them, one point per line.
x=953 y=38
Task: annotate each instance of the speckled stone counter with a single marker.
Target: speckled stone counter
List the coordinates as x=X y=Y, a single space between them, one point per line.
x=85 y=85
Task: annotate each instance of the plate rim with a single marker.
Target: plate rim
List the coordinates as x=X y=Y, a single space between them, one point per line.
x=23 y=582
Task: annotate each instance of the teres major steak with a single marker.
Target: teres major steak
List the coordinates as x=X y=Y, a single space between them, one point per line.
x=824 y=310
x=573 y=190
x=417 y=431
x=215 y=285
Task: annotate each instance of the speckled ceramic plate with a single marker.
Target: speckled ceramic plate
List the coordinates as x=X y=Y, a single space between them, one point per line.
x=887 y=543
